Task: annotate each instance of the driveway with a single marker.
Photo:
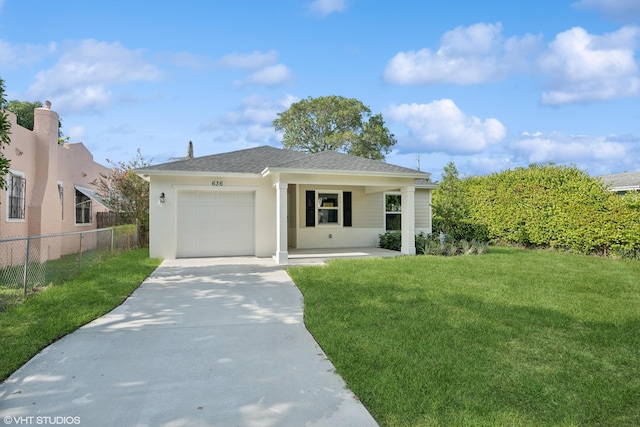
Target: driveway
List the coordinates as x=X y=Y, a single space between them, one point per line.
x=202 y=342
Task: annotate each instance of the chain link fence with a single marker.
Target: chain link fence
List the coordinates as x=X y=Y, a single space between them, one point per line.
x=29 y=263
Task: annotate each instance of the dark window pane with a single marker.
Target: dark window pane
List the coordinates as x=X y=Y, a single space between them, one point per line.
x=393 y=222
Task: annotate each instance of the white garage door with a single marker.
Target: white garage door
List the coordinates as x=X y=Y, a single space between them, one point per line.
x=216 y=223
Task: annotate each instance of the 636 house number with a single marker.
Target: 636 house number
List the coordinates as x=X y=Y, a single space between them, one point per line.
x=217 y=183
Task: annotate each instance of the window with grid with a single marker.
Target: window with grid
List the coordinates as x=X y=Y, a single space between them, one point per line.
x=16 y=189
x=83 y=208
x=393 y=212
x=328 y=208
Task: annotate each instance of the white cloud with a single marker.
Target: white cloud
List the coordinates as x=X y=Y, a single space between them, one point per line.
x=441 y=126
x=250 y=123
x=467 y=55
x=274 y=75
x=323 y=8
x=584 y=67
x=249 y=61
x=12 y=55
x=81 y=78
x=624 y=10
x=558 y=147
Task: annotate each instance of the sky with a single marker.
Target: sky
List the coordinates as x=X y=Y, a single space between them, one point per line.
x=489 y=85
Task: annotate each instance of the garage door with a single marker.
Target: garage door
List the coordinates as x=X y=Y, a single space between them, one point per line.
x=216 y=223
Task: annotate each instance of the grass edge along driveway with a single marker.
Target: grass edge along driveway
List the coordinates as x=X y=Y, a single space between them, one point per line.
x=27 y=328
x=514 y=337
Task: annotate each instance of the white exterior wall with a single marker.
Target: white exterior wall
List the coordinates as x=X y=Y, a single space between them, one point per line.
x=163 y=216
x=423 y=211
x=368 y=216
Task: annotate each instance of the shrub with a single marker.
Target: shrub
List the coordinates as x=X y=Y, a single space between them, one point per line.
x=391 y=240
x=433 y=245
x=540 y=206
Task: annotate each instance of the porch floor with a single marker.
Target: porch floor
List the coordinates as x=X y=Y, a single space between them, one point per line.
x=319 y=256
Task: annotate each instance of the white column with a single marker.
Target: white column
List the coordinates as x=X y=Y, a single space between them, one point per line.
x=408 y=210
x=282 y=255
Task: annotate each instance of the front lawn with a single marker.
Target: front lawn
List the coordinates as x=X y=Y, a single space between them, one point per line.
x=514 y=337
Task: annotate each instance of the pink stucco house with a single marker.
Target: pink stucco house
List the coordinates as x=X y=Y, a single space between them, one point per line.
x=49 y=187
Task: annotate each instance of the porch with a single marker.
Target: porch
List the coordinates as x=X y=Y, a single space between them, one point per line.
x=319 y=256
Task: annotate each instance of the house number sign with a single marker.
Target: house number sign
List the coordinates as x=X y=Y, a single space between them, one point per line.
x=217 y=183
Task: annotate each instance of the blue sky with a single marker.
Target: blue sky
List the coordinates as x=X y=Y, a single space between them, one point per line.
x=489 y=85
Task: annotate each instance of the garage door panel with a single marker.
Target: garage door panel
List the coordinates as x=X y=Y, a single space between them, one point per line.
x=187 y=197
x=215 y=223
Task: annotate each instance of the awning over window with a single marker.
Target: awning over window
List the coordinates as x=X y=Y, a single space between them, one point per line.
x=92 y=195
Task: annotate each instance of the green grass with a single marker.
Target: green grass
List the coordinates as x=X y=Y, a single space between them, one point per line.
x=511 y=338
x=28 y=327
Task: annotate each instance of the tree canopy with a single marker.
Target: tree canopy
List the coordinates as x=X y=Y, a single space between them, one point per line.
x=334 y=123
x=5 y=131
x=25 y=116
x=23 y=111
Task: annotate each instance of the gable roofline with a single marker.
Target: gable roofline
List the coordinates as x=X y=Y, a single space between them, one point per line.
x=625 y=181
x=264 y=160
x=268 y=171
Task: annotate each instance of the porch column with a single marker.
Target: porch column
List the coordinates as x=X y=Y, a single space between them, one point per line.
x=408 y=216
x=282 y=256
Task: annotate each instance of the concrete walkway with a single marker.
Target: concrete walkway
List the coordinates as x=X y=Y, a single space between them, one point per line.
x=202 y=342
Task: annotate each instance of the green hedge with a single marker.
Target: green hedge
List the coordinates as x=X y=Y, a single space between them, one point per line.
x=548 y=206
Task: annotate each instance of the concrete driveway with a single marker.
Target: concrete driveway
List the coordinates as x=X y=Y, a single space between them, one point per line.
x=202 y=342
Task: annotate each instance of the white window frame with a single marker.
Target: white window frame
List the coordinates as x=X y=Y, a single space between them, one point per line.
x=9 y=192
x=386 y=212
x=75 y=210
x=338 y=208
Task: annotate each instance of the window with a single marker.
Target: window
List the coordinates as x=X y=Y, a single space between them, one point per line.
x=83 y=208
x=61 y=194
x=393 y=212
x=16 y=187
x=328 y=208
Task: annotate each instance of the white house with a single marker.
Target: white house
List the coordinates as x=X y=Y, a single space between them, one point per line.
x=622 y=182
x=263 y=201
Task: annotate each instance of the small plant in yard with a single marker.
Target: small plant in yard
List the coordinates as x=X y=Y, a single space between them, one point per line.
x=433 y=244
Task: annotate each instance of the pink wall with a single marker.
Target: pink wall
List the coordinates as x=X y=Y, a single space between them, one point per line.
x=45 y=163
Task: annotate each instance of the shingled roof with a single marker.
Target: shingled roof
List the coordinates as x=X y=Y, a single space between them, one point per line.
x=256 y=160
x=626 y=181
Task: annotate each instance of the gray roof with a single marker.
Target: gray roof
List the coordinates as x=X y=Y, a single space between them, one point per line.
x=622 y=181
x=255 y=160
x=251 y=160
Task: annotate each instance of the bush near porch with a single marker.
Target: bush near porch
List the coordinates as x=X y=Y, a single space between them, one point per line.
x=515 y=337
x=432 y=244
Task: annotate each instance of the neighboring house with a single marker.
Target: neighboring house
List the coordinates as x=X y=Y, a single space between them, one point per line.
x=622 y=182
x=49 y=187
x=263 y=201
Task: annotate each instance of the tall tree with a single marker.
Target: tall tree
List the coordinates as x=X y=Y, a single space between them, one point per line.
x=5 y=131
x=334 y=123
x=127 y=194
